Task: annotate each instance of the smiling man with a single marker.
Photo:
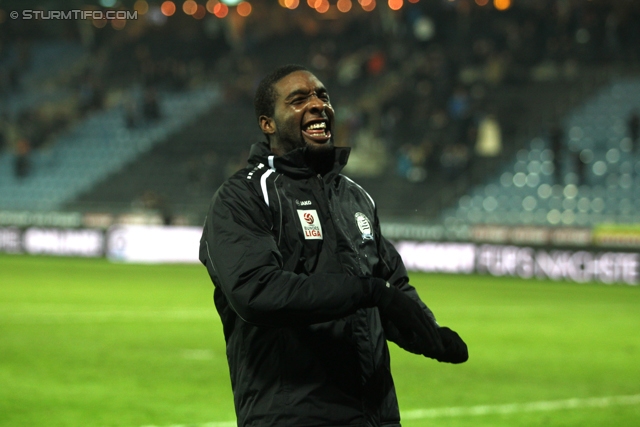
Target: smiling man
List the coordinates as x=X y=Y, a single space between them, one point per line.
x=307 y=288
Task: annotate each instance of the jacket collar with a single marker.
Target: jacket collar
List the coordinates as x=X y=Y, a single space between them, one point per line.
x=293 y=163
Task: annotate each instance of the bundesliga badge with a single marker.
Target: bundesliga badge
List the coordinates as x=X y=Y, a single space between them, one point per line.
x=364 y=225
x=310 y=224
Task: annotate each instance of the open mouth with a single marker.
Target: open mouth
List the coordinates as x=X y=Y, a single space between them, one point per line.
x=317 y=131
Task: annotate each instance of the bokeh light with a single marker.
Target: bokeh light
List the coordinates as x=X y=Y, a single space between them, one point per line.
x=141 y=6
x=201 y=12
x=118 y=24
x=244 y=8
x=190 y=7
x=291 y=4
x=220 y=10
x=368 y=5
x=502 y=4
x=395 y=4
x=424 y=28
x=344 y=6
x=482 y=2
x=168 y=8
x=322 y=6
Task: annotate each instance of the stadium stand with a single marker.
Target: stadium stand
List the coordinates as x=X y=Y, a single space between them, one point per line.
x=413 y=96
x=98 y=146
x=184 y=170
x=592 y=180
x=36 y=83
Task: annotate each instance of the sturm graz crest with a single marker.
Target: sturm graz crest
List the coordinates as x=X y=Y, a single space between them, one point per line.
x=364 y=225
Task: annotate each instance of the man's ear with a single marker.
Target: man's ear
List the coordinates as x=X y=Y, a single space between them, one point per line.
x=267 y=125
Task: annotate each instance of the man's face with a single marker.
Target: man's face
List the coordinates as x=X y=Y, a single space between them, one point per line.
x=302 y=116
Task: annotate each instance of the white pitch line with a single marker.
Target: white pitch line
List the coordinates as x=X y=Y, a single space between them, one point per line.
x=220 y=424
x=108 y=316
x=464 y=411
x=513 y=408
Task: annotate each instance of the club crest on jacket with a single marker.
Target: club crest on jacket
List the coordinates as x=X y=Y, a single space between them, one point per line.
x=364 y=225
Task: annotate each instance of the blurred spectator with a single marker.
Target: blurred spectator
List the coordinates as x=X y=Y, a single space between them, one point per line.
x=4 y=129
x=489 y=137
x=131 y=113
x=22 y=161
x=154 y=203
x=454 y=161
x=376 y=63
x=612 y=35
x=556 y=138
x=24 y=47
x=90 y=94
x=633 y=124
x=368 y=154
x=204 y=173
x=177 y=75
x=580 y=167
x=151 y=106
x=419 y=160
x=459 y=103
x=461 y=115
x=234 y=165
x=403 y=162
x=213 y=174
x=14 y=79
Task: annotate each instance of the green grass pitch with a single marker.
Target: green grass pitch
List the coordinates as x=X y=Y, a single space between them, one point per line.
x=87 y=343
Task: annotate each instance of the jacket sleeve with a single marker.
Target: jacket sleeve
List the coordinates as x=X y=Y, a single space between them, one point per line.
x=243 y=260
x=393 y=270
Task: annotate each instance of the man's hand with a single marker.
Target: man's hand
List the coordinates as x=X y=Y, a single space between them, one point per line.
x=455 y=349
x=408 y=317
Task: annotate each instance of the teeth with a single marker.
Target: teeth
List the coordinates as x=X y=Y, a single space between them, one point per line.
x=319 y=125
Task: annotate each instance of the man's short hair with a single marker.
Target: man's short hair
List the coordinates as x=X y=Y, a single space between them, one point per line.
x=265 y=99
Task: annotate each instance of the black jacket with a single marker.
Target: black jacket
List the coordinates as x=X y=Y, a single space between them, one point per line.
x=287 y=251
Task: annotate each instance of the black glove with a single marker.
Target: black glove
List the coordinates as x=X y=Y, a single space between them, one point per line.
x=407 y=316
x=455 y=350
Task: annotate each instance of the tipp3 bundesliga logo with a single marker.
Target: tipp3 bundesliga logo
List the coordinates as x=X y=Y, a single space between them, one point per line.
x=310 y=222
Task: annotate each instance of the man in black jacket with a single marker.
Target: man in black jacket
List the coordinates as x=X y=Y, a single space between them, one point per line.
x=307 y=288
